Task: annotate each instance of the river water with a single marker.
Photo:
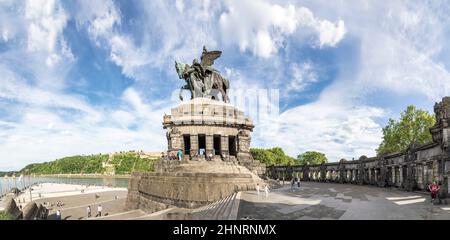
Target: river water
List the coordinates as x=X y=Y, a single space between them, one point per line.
x=6 y=184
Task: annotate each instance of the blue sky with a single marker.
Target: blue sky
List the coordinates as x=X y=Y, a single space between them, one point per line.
x=82 y=77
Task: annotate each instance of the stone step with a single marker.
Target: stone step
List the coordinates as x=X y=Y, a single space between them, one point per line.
x=220 y=208
x=224 y=208
x=222 y=214
x=232 y=205
x=205 y=210
x=211 y=207
x=212 y=211
x=234 y=209
x=122 y=215
x=153 y=216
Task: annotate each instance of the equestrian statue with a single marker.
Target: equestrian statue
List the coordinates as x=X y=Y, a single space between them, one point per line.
x=202 y=79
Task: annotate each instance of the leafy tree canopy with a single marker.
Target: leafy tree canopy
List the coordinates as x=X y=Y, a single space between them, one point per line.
x=273 y=156
x=412 y=128
x=312 y=158
x=6 y=216
x=122 y=163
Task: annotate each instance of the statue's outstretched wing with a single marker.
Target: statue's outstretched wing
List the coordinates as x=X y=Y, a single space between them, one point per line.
x=207 y=58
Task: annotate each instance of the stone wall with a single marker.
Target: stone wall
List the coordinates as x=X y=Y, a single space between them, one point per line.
x=10 y=206
x=187 y=185
x=413 y=169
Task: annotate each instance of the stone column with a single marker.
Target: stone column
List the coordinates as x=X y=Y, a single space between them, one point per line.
x=419 y=177
x=376 y=175
x=393 y=175
x=209 y=144
x=176 y=142
x=224 y=146
x=194 y=145
x=400 y=174
x=244 y=144
x=370 y=175
x=426 y=174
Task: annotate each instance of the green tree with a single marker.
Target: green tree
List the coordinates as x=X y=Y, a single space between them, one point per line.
x=6 y=216
x=272 y=156
x=123 y=163
x=312 y=158
x=412 y=128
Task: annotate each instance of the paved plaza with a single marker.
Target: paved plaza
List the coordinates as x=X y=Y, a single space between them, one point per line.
x=332 y=201
x=74 y=207
x=312 y=201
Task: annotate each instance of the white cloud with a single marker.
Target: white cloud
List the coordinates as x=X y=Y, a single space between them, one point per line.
x=329 y=33
x=49 y=135
x=399 y=47
x=303 y=75
x=179 y=4
x=100 y=17
x=124 y=53
x=14 y=88
x=335 y=128
x=46 y=20
x=262 y=26
x=400 y=44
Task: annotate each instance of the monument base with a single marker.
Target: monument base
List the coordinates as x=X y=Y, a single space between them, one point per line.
x=187 y=184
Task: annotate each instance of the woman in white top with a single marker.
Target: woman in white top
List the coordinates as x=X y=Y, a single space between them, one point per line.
x=58 y=215
x=99 y=210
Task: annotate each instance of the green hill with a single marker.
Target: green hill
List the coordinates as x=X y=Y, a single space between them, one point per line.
x=115 y=163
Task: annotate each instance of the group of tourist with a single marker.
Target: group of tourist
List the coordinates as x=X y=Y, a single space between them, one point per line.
x=265 y=188
x=179 y=156
x=99 y=211
x=172 y=156
x=88 y=210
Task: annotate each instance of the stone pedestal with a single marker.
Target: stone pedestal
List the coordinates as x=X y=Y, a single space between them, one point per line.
x=187 y=184
x=215 y=122
x=198 y=179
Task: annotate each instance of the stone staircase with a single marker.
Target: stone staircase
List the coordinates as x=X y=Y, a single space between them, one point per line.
x=122 y=215
x=224 y=209
x=136 y=214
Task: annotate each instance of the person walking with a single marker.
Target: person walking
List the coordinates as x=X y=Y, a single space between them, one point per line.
x=257 y=188
x=58 y=215
x=434 y=189
x=88 y=211
x=99 y=210
x=266 y=189
x=180 y=155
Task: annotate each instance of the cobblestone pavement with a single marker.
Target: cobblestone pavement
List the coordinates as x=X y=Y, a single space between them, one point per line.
x=330 y=201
